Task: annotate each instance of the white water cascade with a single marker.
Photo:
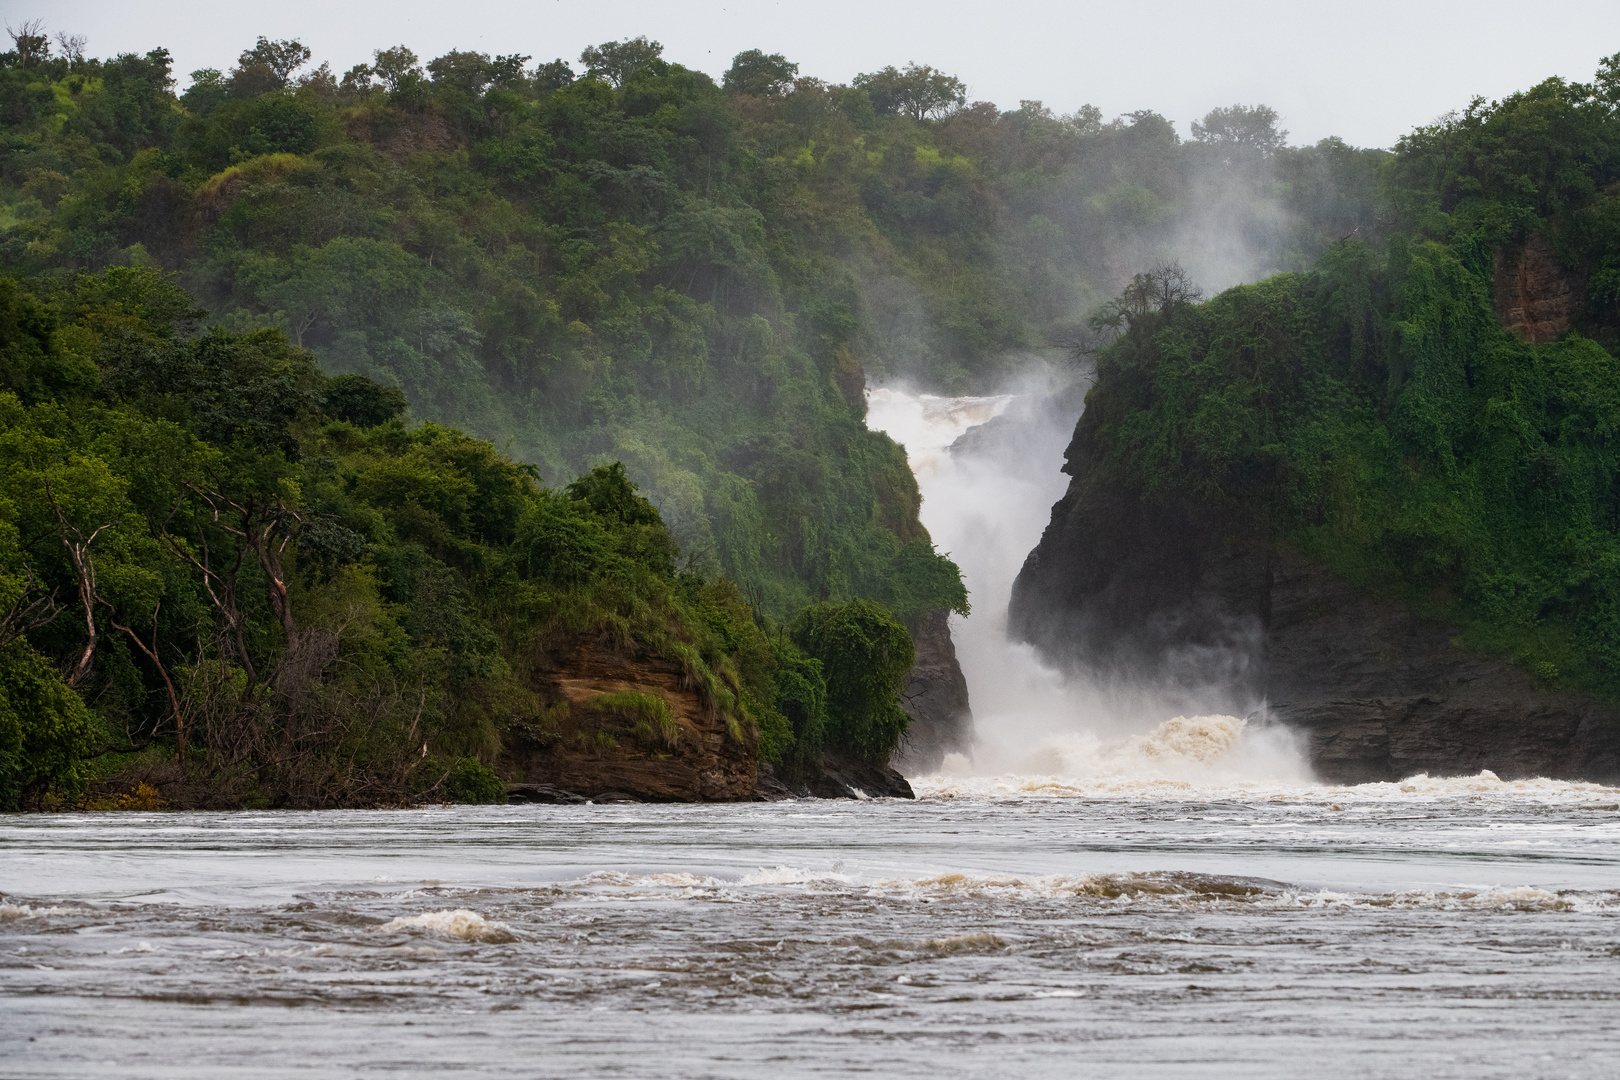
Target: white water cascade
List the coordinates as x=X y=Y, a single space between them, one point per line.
x=986 y=506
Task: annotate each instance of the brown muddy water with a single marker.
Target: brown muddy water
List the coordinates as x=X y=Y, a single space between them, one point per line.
x=1018 y=927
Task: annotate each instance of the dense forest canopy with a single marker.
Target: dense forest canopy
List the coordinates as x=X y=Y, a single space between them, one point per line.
x=1433 y=412
x=224 y=299
x=621 y=260
x=210 y=551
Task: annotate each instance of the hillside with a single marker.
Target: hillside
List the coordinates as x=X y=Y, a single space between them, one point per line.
x=1381 y=494
x=632 y=263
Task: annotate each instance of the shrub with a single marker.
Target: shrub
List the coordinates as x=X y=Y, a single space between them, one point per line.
x=648 y=714
x=471 y=781
x=46 y=733
x=865 y=654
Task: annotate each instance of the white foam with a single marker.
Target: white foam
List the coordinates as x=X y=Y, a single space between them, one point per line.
x=1184 y=889
x=457 y=923
x=1122 y=782
x=987 y=509
x=794 y=875
x=18 y=912
x=662 y=881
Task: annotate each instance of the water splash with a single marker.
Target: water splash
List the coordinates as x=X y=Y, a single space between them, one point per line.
x=460 y=923
x=986 y=501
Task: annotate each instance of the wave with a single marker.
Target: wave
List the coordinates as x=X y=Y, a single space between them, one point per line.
x=1133 y=891
x=18 y=912
x=1180 y=889
x=458 y=923
x=1126 y=785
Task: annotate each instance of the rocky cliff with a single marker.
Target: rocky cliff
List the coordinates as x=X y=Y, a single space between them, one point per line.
x=1195 y=597
x=590 y=746
x=935 y=697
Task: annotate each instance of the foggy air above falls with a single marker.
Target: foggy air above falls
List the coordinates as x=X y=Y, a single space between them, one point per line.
x=768 y=575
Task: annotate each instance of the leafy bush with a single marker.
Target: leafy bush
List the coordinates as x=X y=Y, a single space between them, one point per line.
x=471 y=781
x=46 y=733
x=865 y=655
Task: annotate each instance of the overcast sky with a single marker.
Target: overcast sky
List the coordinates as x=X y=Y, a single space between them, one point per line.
x=1366 y=71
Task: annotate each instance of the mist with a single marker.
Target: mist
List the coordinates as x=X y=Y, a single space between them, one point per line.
x=1060 y=211
x=989 y=470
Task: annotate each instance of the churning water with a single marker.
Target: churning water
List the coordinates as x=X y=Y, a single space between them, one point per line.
x=1101 y=889
x=1463 y=928
x=986 y=505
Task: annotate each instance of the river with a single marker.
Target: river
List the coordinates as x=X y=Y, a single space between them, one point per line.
x=1098 y=888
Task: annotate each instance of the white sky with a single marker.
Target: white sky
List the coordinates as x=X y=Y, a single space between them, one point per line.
x=1367 y=71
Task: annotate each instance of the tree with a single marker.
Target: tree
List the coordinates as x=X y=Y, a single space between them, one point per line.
x=279 y=58
x=30 y=43
x=468 y=72
x=616 y=61
x=1162 y=291
x=865 y=654
x=919 y=91
x=754 y=72
x=397 y=68
x=1241 y=127
x=46 y=733
x=72 y=46
x=553 y=76
x=361 y=401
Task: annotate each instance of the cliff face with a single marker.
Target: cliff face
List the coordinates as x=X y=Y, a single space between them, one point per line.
x=1172 y=594
x=1196 y=598
x=1534 y=295
x=584 y=751
x=591 y=751
x=935 y=697
x=1383 y=694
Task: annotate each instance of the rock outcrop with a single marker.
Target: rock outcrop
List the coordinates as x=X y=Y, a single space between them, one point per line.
x=1197 y=599
x=935 y=697
x=1382 y=694
x=584 y=752
x=589 y=751
x=1534 y=295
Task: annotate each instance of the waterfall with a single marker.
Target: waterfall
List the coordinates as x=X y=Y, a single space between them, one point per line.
x=989 y=471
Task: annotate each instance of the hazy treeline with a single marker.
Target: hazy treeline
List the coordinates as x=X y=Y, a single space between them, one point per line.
x=622 y=260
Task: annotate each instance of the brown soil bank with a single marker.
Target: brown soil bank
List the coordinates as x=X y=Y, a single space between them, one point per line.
x=592 y=746
x=1200 y=601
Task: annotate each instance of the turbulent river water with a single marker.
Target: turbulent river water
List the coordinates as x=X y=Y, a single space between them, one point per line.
x=1097 y=889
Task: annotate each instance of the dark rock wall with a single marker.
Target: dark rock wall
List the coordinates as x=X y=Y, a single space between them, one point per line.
x=1196 y=599
x=1534 y=295
x=935 y=697
x=1170 y=594
x=1382 y=694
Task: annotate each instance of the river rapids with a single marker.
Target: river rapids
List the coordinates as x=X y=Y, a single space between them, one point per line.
x=1102 y=887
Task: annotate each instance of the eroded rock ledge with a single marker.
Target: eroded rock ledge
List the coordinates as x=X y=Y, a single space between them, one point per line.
x=583 y=754
x=1382 y=694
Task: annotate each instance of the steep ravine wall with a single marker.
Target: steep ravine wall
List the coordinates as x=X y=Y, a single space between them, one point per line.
x=935 y=697
x=1196 y=599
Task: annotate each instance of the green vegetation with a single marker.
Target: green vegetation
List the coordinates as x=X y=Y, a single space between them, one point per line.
x=865 y=656
x=228 y=573
x=1374 y=411
x=634 y=264
x=221 y=303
